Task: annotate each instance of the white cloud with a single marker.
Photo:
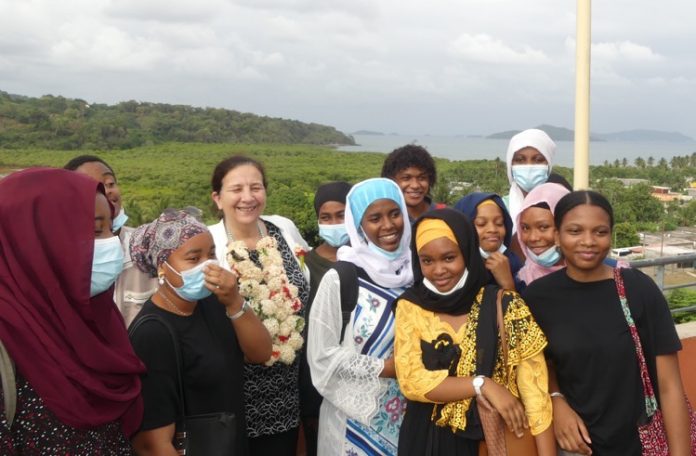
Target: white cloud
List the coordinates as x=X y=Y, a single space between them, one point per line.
x=433 y=65
x=483 y=48
x=624 y=50
x=106 y=48
x=164 y=10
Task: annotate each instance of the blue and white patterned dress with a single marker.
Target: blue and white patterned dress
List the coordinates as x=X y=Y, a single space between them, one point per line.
x=361 y=413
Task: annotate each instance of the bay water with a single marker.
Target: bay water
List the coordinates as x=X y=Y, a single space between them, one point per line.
x=479 y=148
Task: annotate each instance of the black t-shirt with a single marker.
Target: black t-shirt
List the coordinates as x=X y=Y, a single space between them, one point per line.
x=593 y=352
x=212 y=366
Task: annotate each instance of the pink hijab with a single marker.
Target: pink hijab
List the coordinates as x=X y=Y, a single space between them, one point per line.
x=546 y=193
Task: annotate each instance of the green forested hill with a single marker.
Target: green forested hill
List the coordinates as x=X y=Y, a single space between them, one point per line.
x=55 y=122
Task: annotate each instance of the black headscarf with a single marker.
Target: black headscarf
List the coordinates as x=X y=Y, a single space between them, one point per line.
x=459 y=302
x=333 y=191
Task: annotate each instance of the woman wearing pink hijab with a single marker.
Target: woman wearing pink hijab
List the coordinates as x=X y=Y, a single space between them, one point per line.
x=536 y=233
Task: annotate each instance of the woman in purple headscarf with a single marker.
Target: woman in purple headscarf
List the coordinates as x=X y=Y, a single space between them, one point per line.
x=214 y=327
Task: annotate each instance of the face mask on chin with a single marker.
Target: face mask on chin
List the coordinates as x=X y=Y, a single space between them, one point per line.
x=530 y=176
x=119 y=221
x=389 y=255
x=107 y=264
x=485 y=254
x=459 y=285
x=547 y=258
x=193 y=287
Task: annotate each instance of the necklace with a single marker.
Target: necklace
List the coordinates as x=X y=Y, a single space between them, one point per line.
x=230 y=238
x=264 y=283
x=173 y=306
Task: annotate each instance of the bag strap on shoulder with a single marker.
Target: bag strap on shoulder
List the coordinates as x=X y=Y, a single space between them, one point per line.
x=648 y=389
x=501 y=325
x=177 y=354
x=348 y=278
x=9 y=384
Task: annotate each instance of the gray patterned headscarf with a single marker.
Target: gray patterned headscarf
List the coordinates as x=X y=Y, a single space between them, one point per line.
x=152 y=243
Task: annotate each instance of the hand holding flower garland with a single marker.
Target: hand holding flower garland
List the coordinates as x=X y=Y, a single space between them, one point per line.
x=274 y=299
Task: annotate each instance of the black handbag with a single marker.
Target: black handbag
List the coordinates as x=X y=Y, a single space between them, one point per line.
x=210 y=434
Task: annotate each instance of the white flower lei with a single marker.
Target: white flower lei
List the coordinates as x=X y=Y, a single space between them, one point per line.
x=274 y=299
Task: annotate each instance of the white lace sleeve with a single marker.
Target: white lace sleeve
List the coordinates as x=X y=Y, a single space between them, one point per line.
x=347 y=379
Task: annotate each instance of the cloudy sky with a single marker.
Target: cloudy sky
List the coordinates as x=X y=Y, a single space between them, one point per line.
x=408 y=66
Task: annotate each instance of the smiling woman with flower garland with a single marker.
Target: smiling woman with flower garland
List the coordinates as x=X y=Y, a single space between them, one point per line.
x=354 y=369
x=262 y=252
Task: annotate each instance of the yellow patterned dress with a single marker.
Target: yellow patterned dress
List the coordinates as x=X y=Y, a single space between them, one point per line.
x=427 y=350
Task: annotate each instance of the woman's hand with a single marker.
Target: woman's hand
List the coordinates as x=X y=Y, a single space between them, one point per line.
x=223 y=283
x=509 y=407
x=571 y=432
x=252 y=335
x=389 y=369
x=499 y=265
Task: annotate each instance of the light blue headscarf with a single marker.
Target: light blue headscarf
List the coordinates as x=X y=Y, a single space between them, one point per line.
x=386 y=272
x=369 y=191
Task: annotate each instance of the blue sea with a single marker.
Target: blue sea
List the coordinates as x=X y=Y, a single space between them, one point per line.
x=476 y=148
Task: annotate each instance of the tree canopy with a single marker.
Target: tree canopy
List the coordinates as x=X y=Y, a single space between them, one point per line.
x=54 y=122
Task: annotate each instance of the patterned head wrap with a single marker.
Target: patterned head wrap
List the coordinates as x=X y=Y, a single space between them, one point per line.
x=152 y=243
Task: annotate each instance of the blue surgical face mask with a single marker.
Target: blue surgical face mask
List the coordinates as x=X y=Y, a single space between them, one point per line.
x=485 y=254
x=119 y=220
x=193 y=287
x=334 y=235
x=547 y=258
x=385 y=253
x=107 y=264
x=530 y=176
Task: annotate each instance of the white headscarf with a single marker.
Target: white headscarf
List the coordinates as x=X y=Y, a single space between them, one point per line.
x=388 y=273
x=529 y=138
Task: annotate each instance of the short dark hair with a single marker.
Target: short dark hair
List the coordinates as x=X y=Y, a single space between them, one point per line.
x=231 y=163
x=577 y=198
x=406 y=157
x=80 y=160
x=560 y=180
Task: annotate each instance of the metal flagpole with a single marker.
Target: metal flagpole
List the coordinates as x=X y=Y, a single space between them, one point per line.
x=581 y=175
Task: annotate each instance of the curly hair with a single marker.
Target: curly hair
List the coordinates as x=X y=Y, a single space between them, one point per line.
x=408 y=156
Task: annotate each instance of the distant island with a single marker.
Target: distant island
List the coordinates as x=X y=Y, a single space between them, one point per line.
x=646 y=135
x=55 y=122
x=368 y=133
x=565 y=134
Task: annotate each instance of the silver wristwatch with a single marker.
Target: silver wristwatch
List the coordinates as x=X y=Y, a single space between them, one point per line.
x=246 y=306
x=478 y=382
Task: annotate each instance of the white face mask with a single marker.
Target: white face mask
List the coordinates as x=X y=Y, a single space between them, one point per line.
x=462 y=281
x=485 y=254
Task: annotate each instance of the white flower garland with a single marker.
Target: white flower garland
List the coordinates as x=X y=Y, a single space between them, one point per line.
x=274 y=299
